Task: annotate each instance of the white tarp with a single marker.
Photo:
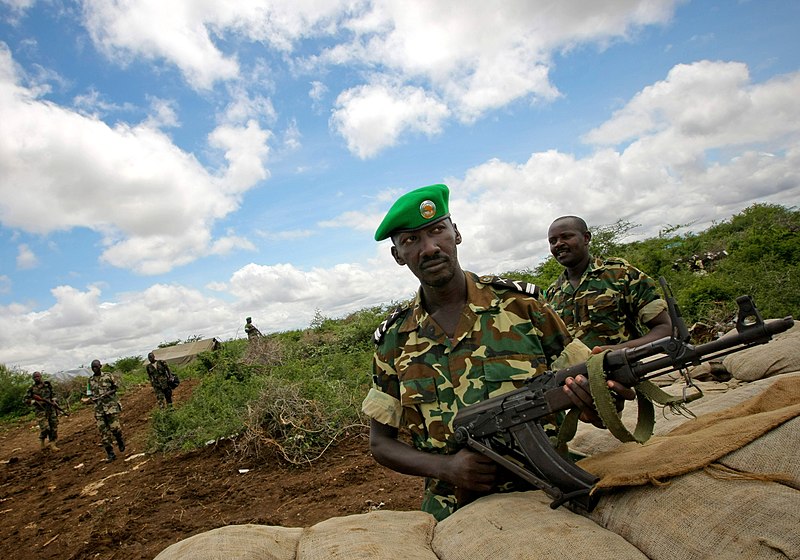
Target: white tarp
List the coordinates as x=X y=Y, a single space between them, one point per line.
x=67 y=374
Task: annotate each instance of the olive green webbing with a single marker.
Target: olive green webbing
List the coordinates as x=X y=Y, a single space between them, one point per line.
x=647 y=393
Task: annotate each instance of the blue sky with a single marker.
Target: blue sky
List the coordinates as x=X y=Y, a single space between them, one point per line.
x=169 y=168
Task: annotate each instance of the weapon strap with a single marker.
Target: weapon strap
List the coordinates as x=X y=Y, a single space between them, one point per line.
x=607 y=408
x=647 y=393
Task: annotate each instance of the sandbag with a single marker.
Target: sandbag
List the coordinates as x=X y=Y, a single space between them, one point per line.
x=237 y=542
x=780 y=355
x=370 y=536
x=591 y=441
x=772 y=456
x=698 y=516
x=521 y=526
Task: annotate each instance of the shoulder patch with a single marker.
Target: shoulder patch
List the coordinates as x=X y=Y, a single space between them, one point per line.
x=516 y=285
x=392 y=318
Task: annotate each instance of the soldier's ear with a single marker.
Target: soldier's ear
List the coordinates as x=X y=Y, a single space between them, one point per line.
x=397 y=258
x=458 y=234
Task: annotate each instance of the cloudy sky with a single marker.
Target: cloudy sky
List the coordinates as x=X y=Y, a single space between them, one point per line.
x=169 y=168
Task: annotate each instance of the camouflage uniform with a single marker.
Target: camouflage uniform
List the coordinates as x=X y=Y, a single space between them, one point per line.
x=251 y=330
x=160 y=376
x=421 y=377
x=610 y=305
x=107 y=409
x=46 y=415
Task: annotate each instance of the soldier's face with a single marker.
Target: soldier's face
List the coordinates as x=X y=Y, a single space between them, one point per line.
x=429 y=252
x=568 y=244
x=37 y=378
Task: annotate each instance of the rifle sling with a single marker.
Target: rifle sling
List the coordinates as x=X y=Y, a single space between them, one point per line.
x=647 y=393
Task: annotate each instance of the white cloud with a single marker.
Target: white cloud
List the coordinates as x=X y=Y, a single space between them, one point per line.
x=5 y=284
x=26 y=258
x=153 y=203
x=460 y=58
x=317 y=91
x=695 y=155
x=373 y=117
x=81 y=325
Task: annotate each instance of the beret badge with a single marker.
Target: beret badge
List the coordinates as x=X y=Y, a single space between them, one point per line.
x=427 y=209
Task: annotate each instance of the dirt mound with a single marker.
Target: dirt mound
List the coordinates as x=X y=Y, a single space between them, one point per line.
x=71 y=504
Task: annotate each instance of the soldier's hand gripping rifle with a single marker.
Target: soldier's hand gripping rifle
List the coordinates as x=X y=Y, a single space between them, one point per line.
x=49 y=402
x=508 y=428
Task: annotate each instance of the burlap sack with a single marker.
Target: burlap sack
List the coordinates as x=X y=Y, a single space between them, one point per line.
x=590 y=441
x=237 y=542
x=773 y=456
x=780 y=355
x=699 y=442
x=698 y=517
x=521 y=526
x=370 y=536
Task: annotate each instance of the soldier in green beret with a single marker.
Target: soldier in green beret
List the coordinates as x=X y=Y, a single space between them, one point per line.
x=464 y=338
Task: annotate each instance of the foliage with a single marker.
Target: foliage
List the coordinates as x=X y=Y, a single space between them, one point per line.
x=216 y=410
x=13 y=385
x=127 y=365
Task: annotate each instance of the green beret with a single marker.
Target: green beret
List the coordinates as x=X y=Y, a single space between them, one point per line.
x=414 y=210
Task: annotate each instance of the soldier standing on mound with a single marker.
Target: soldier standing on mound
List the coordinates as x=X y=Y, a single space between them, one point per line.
x=251 y=330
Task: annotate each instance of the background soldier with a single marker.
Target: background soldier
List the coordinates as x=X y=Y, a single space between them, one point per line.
x=102 y=391
x=40 y=395
x=250 y=329
x=606 y=303
x=161 y=380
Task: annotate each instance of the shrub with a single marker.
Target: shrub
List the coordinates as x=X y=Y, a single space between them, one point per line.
x=13 y=385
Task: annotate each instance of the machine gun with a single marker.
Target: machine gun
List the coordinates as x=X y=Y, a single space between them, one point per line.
x=54 y=404
x=508 y=429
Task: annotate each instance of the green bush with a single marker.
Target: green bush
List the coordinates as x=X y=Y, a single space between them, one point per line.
x=13 y=385
x=127 y=365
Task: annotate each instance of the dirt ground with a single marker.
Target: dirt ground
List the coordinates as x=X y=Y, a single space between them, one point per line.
x=71 y=504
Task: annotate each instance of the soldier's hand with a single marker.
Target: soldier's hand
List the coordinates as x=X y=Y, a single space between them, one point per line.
x=86 y=400
x=577 y=388
x=472 y=471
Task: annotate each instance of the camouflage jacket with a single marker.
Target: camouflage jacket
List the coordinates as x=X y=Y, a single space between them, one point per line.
x=610 y=305
x=45 y=390
x=159 y=375
x=103 y=391
x=251 y=330
x=422 y=378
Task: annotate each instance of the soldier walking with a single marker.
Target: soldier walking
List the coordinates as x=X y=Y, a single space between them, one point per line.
x=40 y=395
x=161 y=378
x=102 y=391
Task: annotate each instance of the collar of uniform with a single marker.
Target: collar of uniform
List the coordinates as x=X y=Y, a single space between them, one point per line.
x=594 y=264
x=480 y=298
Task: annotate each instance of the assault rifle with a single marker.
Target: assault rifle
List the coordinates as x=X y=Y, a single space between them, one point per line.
x=52 y=403
x=508 y=428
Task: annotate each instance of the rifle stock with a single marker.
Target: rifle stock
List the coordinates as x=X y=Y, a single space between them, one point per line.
x=508 y=428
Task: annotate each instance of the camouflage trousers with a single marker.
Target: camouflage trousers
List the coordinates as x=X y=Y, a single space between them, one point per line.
x=163 y=396
x=48 y=424
x=438 y=505
x=109 y=426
